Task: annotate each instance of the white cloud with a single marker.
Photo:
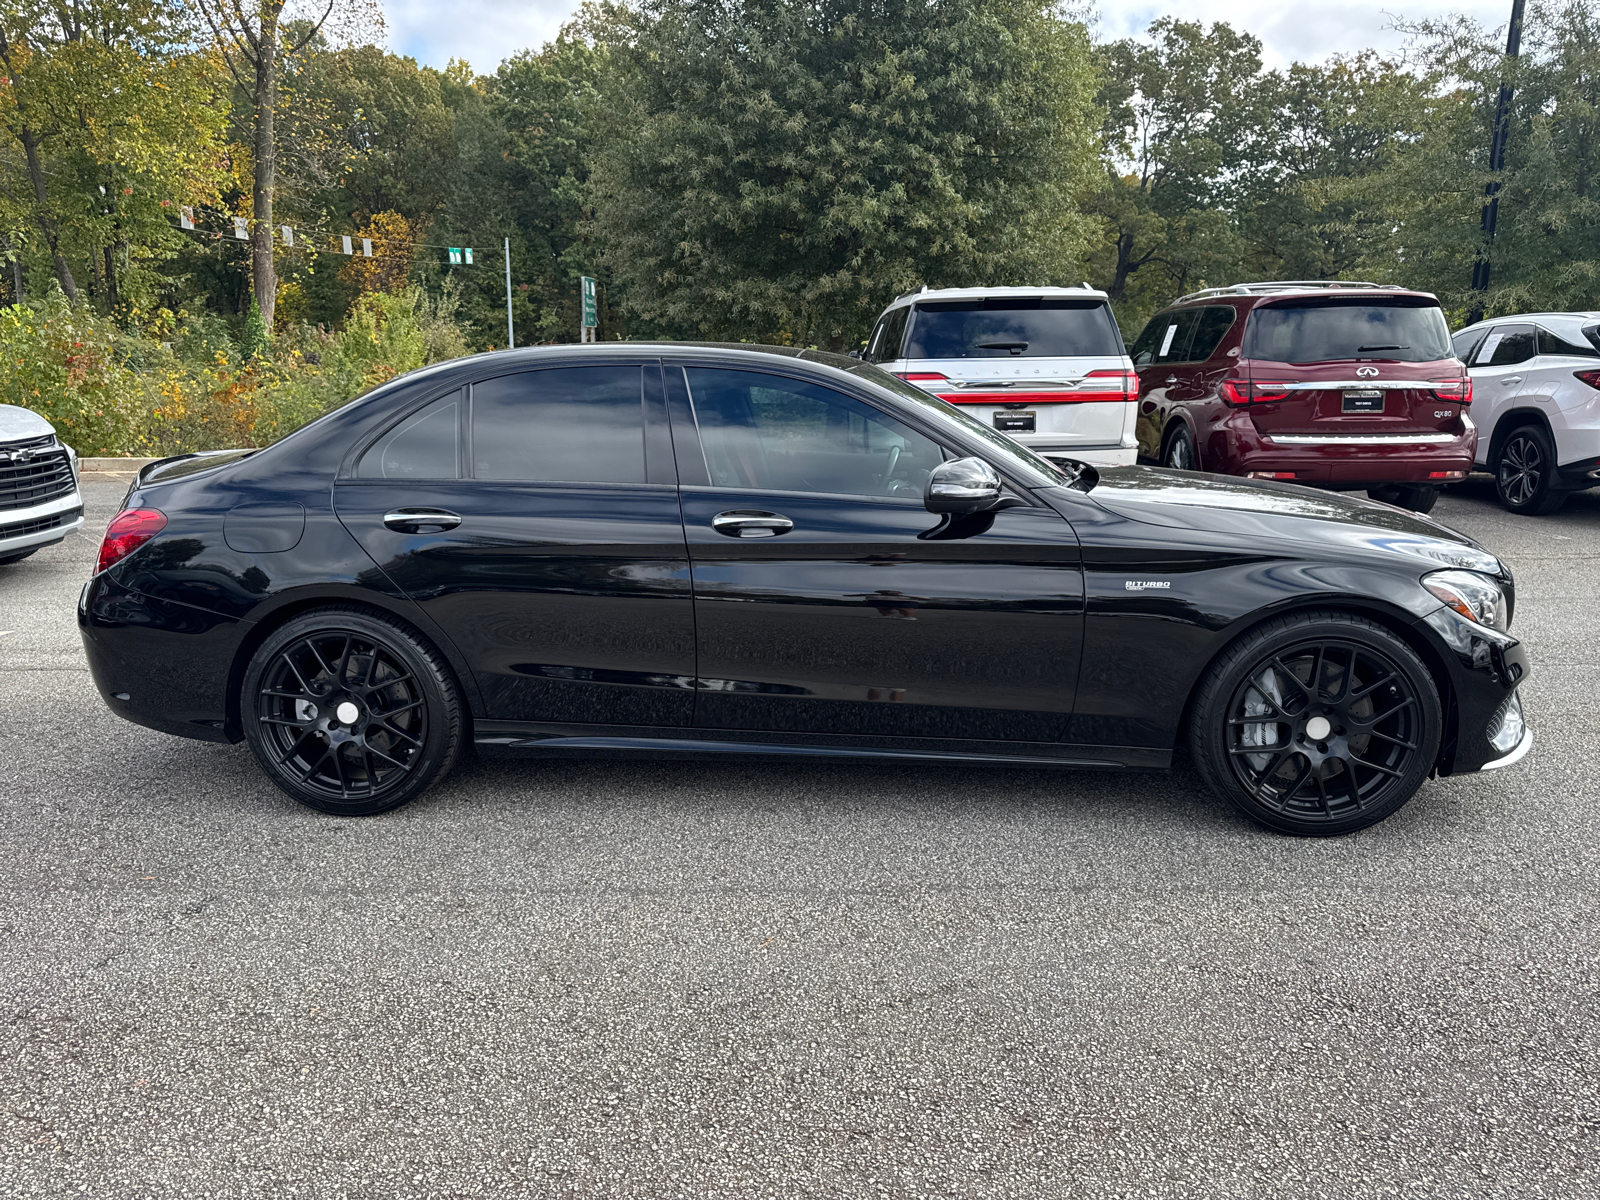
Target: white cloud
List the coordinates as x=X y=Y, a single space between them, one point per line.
x=484 y=32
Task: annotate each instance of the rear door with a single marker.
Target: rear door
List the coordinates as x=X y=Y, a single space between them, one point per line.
x=1351 y=366
x=1046 y=370
x=1502 y=371
x=534 y=517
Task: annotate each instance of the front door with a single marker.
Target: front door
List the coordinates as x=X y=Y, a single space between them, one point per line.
x=829 y=600
x=534 y=517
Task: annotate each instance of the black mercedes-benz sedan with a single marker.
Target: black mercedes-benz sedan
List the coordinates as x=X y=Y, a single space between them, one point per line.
x=752 y=550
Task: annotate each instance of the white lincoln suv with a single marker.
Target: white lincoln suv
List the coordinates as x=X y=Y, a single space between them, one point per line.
x=1536 y=401
x=1044 y=365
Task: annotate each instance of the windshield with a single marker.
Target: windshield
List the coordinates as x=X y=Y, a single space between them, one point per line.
x=1024 y=463
x=1310 y=331
x=1013 y=327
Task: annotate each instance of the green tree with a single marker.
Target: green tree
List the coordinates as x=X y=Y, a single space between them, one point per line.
x=780 y=169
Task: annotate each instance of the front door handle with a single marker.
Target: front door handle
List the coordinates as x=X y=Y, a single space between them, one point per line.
x=750 y=523
x=1172 y=379
x=416 y=520
x=1508 y=380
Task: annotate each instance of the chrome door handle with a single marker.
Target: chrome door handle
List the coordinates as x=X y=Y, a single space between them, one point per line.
x=750 y=523
x=1510 y=379
x=1172 y=379
x=413 y=520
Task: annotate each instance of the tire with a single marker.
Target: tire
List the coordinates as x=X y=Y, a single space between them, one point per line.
x=1525 y=473
x=401 y=732
x=7 y=559
x=1418 y=497
x=1179 y=453
x=1311 y=780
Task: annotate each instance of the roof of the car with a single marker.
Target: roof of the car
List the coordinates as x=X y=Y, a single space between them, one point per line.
x=1289 y=288
x=1576 y=316
x=984 y=293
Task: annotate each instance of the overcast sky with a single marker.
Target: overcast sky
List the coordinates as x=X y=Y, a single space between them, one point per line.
x=486 y=31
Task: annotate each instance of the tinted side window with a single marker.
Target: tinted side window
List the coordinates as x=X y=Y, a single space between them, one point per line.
x=563 y=425
x=1550 y=343
x=426 y=445
x=1466 y=342
x=779 y=434
x=891 y=331
x=1212 y=326
x=1505 y=346
x=1174 y=346
x=1148 y=342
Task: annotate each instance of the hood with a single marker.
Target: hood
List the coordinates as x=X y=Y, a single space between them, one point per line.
x=16 y=423
x=1262 y=509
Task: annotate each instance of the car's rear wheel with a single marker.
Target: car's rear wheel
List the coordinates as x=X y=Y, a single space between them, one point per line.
x=350 y=712
x=1316 y=724
x=1525 y=473
x=1418 y=497
x=1179 y=452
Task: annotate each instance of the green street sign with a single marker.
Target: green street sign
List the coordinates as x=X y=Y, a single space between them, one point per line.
x=455 y=256
x=591 y=309
x=469 y=255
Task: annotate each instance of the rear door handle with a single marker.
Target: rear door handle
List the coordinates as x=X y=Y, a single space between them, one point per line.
x=750 y=523
x=415 y=520
x=1508 y=380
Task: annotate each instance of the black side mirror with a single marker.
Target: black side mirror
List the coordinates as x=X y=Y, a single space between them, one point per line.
x=967 y=485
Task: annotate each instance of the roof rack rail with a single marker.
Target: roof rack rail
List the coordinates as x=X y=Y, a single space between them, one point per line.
x=1282 y=285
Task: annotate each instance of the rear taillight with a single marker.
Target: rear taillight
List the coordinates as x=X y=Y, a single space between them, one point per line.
x=922 y=377
x=1458 y=391
x=1127 y=382
x=129 y=530
x=1257 y=391
x=1592 y=378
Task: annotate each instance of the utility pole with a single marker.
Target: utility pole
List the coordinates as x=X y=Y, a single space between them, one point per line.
x=511 y=331
x=1497 y=163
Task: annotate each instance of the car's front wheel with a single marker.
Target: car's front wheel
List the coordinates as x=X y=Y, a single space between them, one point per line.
x=1316 y=724
x=350 y=712
x=1525 y=473
x=16 y=556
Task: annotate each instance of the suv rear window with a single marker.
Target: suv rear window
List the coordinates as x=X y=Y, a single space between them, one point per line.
x=1013 y=327
x=1321 y=330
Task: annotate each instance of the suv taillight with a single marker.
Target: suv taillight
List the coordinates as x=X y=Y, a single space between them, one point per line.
x=1257 y=391
x=1458 y=391
x=129 y=530
x=1129 y=382
x=922 y=377
x=1592 y=378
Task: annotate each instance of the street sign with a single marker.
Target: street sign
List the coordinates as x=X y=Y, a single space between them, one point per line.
x=591 y=310
x=455 y=256
x=469 y=255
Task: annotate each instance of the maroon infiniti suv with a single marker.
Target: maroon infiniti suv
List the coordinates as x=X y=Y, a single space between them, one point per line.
x=1332 y=384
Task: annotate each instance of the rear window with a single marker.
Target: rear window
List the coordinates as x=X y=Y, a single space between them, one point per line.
x=1010 y=327
x=1321 y=330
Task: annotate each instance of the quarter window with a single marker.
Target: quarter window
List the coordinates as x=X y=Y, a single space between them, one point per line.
x=773 y=433
x=561 y=425
x=1551 y=343
x=426 y=445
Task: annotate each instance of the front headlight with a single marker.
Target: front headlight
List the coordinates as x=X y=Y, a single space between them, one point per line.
x=1476 y=597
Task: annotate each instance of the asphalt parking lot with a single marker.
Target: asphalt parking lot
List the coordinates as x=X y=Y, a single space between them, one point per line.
x=603 y=978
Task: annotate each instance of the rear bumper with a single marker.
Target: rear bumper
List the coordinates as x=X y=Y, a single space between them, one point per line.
x=1350 y=460
x=1118 y=456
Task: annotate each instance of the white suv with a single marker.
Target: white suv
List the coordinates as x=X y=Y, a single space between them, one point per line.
x=1536 y=402
x=1044 y=365
x=39 y=500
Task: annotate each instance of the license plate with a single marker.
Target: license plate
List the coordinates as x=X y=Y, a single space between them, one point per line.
x=1015 y=422
x=1367 y=400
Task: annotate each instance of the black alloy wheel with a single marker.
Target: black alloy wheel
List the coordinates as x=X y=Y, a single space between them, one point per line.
x=1418 y=497
x=351 y=713
x=1317 y=724
x=1525 y=473
x=1179 y=453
